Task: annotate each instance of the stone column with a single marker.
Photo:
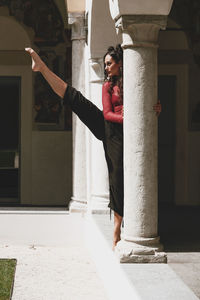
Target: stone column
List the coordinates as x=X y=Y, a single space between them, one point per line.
x=79 y=197
x=99 y=188
x=141 y=241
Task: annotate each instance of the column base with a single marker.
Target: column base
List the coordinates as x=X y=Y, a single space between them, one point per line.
x=99 y=205
x=77 y=206
x=100 y=211
x=133 y=252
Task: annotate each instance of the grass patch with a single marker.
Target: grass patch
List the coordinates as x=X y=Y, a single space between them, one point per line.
x=7 y=275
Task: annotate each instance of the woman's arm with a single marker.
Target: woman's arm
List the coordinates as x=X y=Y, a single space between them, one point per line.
x=56 y=83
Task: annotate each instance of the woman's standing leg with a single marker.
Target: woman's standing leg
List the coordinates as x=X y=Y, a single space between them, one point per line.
x=117 y=229
x=113 y=146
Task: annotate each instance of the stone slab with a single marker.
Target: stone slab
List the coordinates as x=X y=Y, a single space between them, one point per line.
x=157 y=281
x=187 y=267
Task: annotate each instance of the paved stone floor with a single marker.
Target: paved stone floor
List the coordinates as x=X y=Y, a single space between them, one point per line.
x=187 y=266
x=50 y=273
x=180 y=233
x=53 y=262
x=67 y=257
x=179 y=229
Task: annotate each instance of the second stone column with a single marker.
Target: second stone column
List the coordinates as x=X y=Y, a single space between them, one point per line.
x=98 y=177
x=141 y=241
x=79 y=197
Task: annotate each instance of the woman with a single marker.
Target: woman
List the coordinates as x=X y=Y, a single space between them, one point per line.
x=106 y=126
x=112 y=100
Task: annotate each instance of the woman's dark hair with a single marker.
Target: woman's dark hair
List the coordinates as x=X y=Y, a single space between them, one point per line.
x=117 y=54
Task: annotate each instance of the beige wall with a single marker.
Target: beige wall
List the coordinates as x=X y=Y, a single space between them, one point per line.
x=51 y=167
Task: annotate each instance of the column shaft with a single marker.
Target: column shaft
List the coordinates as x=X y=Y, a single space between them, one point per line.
x=79 y=197
x=141 y=243
x=140 y=143
x=99 y=194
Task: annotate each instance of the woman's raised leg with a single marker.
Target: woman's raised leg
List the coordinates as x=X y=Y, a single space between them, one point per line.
x=88 y=113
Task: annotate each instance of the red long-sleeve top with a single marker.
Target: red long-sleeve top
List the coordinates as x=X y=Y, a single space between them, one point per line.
x=112 y=105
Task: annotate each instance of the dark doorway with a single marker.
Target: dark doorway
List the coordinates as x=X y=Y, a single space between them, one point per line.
x=9 y=139
x=166 y=139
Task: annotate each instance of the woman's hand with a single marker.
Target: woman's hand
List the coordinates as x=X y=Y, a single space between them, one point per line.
x=37 y=63
x=157 y=108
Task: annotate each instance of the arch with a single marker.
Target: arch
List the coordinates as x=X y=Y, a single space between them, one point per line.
x=102 y=31
x=12 y=35
x=174 y=38
x=44 y=19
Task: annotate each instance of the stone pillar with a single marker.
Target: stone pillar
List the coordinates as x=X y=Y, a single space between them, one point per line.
x=79 y=197
x=99 y=188
x=141 y=241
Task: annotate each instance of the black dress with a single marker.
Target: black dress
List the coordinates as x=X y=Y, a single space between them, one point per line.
x=111 y=134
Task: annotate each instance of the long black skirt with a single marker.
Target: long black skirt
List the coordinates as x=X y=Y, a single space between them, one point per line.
x=111 y=134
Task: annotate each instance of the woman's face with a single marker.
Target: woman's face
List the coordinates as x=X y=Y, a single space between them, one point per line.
x=111 y=67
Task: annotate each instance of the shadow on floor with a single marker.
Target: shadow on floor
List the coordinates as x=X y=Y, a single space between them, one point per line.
x=179 y=228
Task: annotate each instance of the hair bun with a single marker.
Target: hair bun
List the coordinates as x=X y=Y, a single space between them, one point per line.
x=111 y=48
x=119 y=48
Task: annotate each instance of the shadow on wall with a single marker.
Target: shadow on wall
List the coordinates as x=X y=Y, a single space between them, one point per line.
x=179 y=228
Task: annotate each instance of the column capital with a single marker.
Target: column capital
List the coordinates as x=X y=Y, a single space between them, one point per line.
x=140 y=30
x=96 y=70
x=77 y=22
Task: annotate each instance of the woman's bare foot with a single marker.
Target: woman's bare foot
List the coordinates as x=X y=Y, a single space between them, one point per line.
x=37 y=63
x=116 y=239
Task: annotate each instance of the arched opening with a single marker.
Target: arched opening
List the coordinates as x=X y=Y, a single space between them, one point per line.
x=43 y=165
x=179 y=76
x=172 y=123
x=14 y=104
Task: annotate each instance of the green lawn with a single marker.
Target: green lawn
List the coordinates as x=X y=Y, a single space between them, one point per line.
x=7 y=274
